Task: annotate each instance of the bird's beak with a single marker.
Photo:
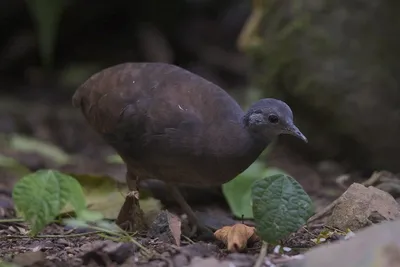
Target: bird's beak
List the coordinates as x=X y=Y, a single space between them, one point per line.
x=293 y=130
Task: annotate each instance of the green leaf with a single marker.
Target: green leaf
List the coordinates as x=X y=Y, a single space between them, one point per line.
x=114 y=159
x=76 y=223
x=280 y=207
x=41 y=196
x=90 y=216
x=237 y=192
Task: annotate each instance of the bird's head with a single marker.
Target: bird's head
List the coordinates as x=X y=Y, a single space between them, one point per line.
x=268 y=118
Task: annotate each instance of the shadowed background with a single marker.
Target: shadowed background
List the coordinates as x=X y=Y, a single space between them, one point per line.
x=335 y=64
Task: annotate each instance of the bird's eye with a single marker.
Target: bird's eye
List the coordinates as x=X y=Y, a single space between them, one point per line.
x=273 y=118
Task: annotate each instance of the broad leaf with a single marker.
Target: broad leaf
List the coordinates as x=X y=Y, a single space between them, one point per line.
x=280 y=207
x=41 y=196
x=238 y=191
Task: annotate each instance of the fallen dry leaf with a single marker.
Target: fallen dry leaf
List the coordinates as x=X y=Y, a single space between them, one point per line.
x=166 y=227
x=174 y=224
x=237 y=236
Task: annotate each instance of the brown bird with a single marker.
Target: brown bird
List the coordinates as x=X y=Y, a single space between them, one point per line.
x=170 y=124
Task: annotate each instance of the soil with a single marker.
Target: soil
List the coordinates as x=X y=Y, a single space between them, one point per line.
x=57 y=246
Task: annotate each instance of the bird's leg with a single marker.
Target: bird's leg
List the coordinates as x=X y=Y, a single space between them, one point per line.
x=198 y=225
x=130 y=217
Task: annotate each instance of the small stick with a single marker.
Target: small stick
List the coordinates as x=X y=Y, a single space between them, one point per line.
x=261 y=256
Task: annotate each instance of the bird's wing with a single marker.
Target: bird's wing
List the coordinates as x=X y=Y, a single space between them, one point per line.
x=132 y=118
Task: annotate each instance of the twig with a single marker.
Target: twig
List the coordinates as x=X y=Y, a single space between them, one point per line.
x=375 y=177
x=335 y=229
x=11 y=220
x=261 y=256
x=51 y=236
x=188 y=239
x=248 y=35
x=308 y=231
x=124 y=234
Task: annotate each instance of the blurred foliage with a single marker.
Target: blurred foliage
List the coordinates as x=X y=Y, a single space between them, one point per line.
x=13 y=166
x=339 y=72
x=114 y=159
x=268 y=41
x=73 y=74
x=47 y=16
x=22 y=143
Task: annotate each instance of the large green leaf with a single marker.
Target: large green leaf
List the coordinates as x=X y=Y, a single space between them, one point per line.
x=41 y=196
x=238 y=191
x=280 y=207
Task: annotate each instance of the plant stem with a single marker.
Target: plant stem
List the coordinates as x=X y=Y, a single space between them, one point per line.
x=261 y=256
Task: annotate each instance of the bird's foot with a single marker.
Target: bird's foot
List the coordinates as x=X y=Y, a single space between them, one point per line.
x=199 y=229
x=131 y=217
x=134 y=193
x=203 y=232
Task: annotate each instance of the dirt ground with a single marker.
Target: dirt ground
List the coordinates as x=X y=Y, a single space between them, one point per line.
x=57 y=246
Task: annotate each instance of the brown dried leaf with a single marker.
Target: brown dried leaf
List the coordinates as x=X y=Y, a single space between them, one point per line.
x=236 y=237
x=174 y=224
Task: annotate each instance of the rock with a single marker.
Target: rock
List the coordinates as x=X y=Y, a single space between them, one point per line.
x=210 y=262
x=378 y=245
x=29 y=258
x=361 y=206
x=107 y=252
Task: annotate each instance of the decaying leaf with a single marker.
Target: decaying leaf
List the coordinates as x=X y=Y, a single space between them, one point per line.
x=166 y=227
x=236 y=237
x=323 y=236
x=174 y=224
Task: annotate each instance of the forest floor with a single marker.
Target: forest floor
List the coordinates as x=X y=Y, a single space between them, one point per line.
x=58 y=245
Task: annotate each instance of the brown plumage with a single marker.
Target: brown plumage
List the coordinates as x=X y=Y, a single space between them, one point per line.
x=170 y=124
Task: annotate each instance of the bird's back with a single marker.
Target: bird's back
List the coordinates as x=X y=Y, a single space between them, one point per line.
x=163 y=118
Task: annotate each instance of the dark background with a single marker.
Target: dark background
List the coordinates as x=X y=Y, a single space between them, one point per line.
x=336 y=64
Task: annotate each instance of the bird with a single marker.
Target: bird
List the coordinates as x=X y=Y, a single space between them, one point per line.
x=170 y=124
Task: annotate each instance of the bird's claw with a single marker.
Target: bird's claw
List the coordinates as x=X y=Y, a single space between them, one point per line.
x=134 y=194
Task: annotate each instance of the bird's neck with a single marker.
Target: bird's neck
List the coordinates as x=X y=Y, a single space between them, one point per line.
x=253 y=144
x=245 y=151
